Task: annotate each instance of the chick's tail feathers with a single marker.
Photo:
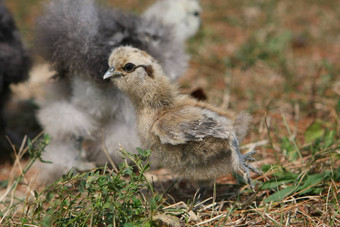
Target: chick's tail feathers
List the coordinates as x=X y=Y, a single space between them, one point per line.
x=241 y=124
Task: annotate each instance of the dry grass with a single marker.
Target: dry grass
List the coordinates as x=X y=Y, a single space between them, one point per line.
x=279 y=60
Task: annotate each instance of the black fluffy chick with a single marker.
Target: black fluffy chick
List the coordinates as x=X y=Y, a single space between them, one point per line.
x=14 y=67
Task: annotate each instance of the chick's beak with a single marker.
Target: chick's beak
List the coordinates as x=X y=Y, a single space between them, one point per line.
x=112 y=73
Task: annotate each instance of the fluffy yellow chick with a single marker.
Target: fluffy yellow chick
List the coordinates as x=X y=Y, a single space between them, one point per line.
x=191 y=138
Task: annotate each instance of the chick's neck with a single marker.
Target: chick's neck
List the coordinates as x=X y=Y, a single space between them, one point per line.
x=156 y=95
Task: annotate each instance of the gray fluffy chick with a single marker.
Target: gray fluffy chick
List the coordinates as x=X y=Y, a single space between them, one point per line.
x=191 y=138
x=81 y=110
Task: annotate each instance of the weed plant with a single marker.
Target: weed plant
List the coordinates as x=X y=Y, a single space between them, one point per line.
x=105 y=197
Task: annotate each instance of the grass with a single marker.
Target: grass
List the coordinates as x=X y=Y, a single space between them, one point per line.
x=125 y=197
x=279 y=60
x=99 y=197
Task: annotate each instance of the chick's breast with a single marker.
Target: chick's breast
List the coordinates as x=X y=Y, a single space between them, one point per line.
x=146 y=119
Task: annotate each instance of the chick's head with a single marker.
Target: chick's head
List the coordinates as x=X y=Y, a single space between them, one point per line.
x=131 y=69
x=192 y=19
x=183 y=15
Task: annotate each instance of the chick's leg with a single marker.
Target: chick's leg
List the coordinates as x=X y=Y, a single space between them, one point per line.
x=244 y=166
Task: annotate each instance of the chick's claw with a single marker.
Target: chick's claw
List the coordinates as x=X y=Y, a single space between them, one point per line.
x=244 y=165
x=252 y=168
x=248 y=156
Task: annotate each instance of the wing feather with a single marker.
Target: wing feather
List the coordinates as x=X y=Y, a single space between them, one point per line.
x=191 y=124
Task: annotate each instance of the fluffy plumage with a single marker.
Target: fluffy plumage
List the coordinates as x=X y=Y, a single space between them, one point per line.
x=184 y=15
x=14 y=61
x=192 y=138
x=81 y=110
x=77 y=37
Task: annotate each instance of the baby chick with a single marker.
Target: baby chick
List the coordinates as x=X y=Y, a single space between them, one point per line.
x=192 y=138
x=15 y=64
x=183 y=15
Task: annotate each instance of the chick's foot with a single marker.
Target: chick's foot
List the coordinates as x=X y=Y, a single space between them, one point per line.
x=244 y=166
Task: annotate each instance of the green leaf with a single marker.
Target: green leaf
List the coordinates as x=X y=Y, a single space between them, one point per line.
x=309 y=181
x=292 y=153
x=314 y=131
x=329 y=139
x=336 y=175
x=143 y=153
x=280 y=195
x=36 y=194
x=267 y=167
x=147 y=224
x=338 y=106
x=286 y=175
x=46 y=221
x=273 y=184
x=106 y=205
x=313 y=180
x=47 y=138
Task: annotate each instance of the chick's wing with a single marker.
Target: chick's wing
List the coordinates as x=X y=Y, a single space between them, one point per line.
x=191 y=124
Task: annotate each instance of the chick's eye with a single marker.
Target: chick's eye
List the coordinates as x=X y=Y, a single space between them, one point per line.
x=196 y=14
x=129 y=67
